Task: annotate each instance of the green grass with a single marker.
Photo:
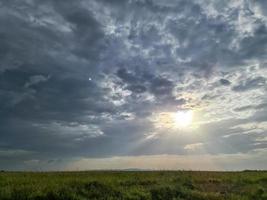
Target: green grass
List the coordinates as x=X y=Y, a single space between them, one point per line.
x=165 y=185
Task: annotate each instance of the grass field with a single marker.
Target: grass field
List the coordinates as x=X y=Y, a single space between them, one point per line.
x=165 y=185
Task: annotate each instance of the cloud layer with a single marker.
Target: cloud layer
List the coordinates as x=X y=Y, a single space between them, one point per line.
x=92 y=80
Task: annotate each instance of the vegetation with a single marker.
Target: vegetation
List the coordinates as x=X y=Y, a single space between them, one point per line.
x=114 y=185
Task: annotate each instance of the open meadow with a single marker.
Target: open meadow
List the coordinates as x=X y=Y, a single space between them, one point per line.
x=150 y=185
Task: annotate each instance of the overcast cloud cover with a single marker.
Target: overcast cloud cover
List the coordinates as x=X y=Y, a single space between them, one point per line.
x=85 y=84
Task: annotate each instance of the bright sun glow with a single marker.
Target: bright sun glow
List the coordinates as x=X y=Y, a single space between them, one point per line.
x=183 y=118
x=173 y=120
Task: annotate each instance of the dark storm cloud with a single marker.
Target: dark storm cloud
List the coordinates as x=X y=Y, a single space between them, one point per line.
x=127 y=76
x=51 y=100
x=225 y=82
x=84 y=78
x=143 y=84
x=39 y=42
x=44 y=79
x=137 y=88
x=86 y=29
x=139 y=82
x=255 y=46
x=42 y=52
x=161 y=86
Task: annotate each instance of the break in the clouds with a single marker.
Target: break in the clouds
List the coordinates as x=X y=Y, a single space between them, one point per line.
x=90 y=82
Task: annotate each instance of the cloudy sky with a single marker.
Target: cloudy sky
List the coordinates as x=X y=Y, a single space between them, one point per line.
x=115 y=84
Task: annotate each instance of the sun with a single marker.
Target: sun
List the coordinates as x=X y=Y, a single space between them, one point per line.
x=183 y=118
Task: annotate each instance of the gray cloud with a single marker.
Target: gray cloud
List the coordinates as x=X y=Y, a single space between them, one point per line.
x=251 y=107
x=36 y=79
x=86 y=78
x=225 y=82
x=250 y=84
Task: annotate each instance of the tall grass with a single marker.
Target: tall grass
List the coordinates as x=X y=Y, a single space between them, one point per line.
x=112 y=185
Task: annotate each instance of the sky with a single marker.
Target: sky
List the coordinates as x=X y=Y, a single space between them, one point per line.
x=119 y=84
